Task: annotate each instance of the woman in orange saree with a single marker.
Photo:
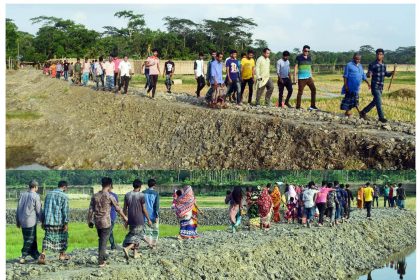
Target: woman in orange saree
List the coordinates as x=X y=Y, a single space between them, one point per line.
x=276 y=197
x=360 y=193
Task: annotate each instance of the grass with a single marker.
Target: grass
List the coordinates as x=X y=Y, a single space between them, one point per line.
x=397 y=109
x=81 y=236
x=165 y=202
x=22 y=115
x=410 y=203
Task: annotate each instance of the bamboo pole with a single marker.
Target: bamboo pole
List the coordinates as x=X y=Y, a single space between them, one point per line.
x=392 y=77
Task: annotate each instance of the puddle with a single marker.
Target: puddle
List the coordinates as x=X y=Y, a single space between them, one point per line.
x=22 y=158
x=399 y=266
x=33 y=166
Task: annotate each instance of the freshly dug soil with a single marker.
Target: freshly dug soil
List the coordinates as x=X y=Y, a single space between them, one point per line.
x=80 y=128
x=287 y=251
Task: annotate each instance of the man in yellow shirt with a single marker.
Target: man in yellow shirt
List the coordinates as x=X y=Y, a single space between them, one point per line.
x=368 y=198
x=248 y=73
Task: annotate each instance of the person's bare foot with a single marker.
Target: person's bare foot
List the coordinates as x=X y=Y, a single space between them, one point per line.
x=136 y=255
x=41 y=259
x=102 y=264
x=63 y=257
x=125 y=250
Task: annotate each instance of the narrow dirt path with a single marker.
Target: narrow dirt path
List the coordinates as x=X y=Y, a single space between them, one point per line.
x=341 y=252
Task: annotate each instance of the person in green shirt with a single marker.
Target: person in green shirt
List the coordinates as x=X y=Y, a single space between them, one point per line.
x=303 y=76
x=386 y=195
x=77 y=72
x=262 y=73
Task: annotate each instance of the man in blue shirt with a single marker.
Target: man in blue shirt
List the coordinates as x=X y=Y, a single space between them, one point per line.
x=55 y=219
x=377 y=70
x=113 y=218
x=233 y=74
x=353 y=77
x=216 y=79
x=151 y=198
x=284 y=79
x=209 y=93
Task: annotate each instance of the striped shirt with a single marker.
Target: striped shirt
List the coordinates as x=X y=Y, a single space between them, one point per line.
x=304 y=67
x=56 y=208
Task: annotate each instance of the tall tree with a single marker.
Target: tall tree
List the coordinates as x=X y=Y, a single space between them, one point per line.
x=180 y=26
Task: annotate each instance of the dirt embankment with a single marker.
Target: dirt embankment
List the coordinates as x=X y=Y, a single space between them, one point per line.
x=287 y=251
x=79 y=128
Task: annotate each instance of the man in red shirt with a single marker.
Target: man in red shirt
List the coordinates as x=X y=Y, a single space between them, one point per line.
x=116 y=63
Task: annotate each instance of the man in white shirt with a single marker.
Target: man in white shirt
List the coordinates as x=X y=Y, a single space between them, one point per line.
x=309 y=197
x=199 y=73
x=109 y=73
x=124 y=71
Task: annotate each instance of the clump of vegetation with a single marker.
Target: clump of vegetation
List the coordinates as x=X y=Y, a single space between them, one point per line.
x=22 y=115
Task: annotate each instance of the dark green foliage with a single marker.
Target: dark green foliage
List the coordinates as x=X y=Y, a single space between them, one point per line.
x=183 y=39
x=206 y=177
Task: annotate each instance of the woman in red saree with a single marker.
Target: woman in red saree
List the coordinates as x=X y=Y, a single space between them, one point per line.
x=276 y=197
x=265 y=209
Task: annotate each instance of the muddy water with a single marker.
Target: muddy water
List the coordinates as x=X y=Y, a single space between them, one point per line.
x=22 y=158
x=398 y=266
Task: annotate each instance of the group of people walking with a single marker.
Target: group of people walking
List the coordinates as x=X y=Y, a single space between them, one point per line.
x=393 y=195
x=140 y=215
x=115 y=74
x=328 y=203
x=304 y=205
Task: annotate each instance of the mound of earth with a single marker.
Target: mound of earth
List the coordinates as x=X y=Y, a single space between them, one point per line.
x=403 y=93
x=80 y=128
x=287 y=251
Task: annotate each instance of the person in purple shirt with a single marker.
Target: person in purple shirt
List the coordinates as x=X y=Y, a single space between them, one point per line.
x=113 y=218
x=233 y=74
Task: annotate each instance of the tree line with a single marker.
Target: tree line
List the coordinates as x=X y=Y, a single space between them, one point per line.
x=205 y=177
x=183 y=39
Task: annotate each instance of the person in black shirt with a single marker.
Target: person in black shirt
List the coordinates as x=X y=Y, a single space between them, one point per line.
x=66 y=70
x=169 y=71
x=350 y=198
